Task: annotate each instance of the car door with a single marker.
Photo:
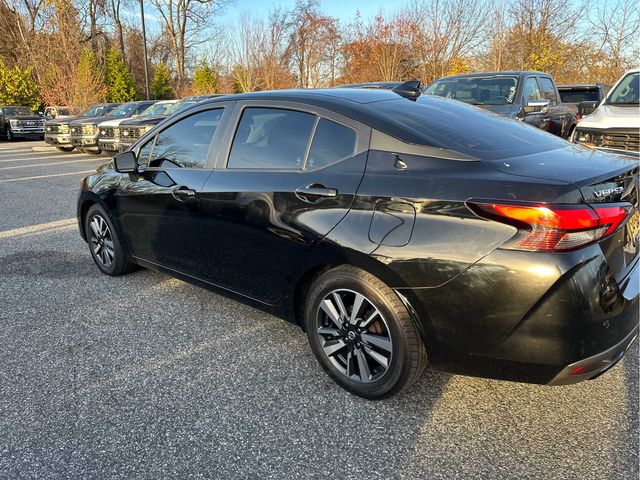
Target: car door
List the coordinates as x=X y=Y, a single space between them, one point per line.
x=159 y=207
x=287 y=175
x=532 y=91
x=555 y=119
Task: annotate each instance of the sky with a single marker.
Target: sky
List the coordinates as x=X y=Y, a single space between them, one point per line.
x=333 y=8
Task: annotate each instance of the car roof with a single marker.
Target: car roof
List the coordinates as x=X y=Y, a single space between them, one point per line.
x=326 y=97
x=505 y=73
x=583 y=86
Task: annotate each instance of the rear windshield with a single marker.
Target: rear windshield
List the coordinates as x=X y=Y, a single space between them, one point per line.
x=577 y=95
x=455 y=126
x=476 y=90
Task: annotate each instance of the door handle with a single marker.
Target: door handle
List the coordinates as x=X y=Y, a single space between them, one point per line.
x=315 y=192
x=184 y=194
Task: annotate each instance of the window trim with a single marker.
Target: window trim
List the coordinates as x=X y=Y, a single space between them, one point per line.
x=313 y=136
x=363 y=133
x=164 y=125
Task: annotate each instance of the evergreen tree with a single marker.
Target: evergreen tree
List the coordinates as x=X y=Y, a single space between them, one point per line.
x=120 y=84
x=161 y=83
x=17 y=87
x=205 y=79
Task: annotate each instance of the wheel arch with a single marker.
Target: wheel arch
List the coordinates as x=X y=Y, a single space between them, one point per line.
x=85 y=202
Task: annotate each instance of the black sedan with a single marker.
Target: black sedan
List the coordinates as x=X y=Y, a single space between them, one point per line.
x=397 y=233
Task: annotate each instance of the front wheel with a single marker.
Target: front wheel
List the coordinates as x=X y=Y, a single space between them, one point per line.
x=362 y=334
x=104 y=244
x=65 y=149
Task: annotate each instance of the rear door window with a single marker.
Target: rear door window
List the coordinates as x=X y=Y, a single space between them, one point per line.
x=332 y=142
x=271 y=138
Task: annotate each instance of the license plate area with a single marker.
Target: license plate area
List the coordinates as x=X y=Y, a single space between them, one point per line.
x=632 y=233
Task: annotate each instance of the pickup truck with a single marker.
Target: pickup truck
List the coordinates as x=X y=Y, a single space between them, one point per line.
x=585 y=98
x=19 y=122
x=615 y=125
x=531 y=97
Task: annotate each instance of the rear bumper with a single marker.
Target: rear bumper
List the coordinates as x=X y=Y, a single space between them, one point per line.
x=596 y=365
x=530 y=318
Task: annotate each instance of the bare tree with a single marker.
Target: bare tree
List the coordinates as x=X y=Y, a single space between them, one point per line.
x=616 y=26
x=313 y=34
x=186 y=23
x=446 y=31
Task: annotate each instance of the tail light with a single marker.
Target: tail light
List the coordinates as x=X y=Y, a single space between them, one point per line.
x=554 y=227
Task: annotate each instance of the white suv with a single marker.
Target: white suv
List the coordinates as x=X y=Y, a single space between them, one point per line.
x=615 y=125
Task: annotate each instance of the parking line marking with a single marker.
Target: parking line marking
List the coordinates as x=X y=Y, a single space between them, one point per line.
x=45 y=176
x=46 y=157
x=40 y=228
x=49 y=164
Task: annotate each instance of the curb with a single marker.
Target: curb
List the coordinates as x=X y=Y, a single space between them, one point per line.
x=43 y=149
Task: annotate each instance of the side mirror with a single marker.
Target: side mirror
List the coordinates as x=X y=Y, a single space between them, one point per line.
x=587 y=107
x=541 y=106
x=126 y=162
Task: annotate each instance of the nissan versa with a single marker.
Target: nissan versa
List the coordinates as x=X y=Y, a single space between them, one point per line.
x=397 y=233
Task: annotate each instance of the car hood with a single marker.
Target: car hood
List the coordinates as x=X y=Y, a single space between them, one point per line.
x=612 y=116
x=141 y=122
x=93 y=120
x=23 y=117
x=114 y=122
x=63 y=120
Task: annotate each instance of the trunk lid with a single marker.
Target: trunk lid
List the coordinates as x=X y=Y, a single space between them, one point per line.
x=601 y=178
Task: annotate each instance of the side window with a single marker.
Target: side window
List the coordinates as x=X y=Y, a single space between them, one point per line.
x=331 y=142
x=185 y=144
x=548 y=90
x=145 y=151
x=531 y=90
x=271 y=138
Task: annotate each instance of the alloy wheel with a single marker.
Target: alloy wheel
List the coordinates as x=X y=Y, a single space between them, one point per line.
x=354 y=335
x=101 y=241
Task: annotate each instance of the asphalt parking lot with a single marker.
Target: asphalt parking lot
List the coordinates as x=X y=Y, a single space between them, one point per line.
x=143 y=376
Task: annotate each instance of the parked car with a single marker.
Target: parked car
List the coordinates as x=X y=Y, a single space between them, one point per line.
x=528 y=96
x=134 y=128
x=17 y=121
x=109 y=130
x=85 y=133
x=58 y=131
x=395 y=232
x=410 y=89
x=615 y=125
x=585 y=98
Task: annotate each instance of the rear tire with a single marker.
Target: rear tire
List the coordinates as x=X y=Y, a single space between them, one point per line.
x=104 y=244
x=65 y=149
x=375 y=353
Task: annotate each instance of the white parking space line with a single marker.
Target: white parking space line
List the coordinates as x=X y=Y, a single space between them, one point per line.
x=40 y=228
x=86 y=160
x=27 y=151
x=44 y=157
x=46 y=176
